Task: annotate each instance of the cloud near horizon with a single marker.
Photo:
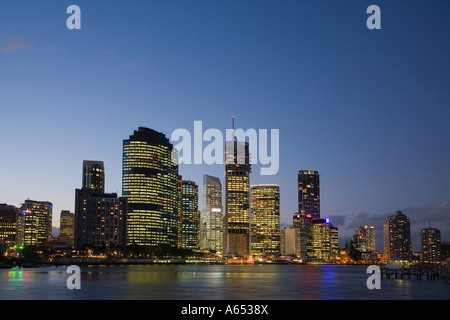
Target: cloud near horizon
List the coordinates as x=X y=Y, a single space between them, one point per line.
x=435 y=215
x=16 y=43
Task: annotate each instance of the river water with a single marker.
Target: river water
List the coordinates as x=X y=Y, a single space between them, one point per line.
x=213 y=282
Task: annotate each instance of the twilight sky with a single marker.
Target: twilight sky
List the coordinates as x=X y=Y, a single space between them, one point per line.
x=368 y=109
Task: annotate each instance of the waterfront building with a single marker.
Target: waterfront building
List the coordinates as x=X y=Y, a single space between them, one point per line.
x=151 y=184
x=37 y=221
x=397 y=237
x=431 y=245
x=265 y=219
x=323 y=237
x=11 y=225
x=237 y=198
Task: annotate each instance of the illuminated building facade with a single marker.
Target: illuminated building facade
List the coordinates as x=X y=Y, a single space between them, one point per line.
x=37 y=221
x=237 y=198
x=364 y=239
x=151 y=184
x=11 y=225
x=324 y=240
x=66 y=228
x=190 y=220
x=430 y=239
x=265 y=220
x=100 y=219
x=212 y=214
x=94 y=176
x=309 y=194
x=308 y=207
x=300 y=225
x=397 y=237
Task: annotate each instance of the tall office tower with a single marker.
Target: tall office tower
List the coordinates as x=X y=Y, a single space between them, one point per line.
x=66 y=227
x=308 y=194
x=212 y=214
x=94 y=176
x=11 y=225
x=38 y=221
x=151 y=184
x=397 y=237
x=190 y=217
x=265 y=220
x=237 y=198
x=308 y=205
x=431 y=244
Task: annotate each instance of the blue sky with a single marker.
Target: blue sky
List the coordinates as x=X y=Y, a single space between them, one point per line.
x=368 y=109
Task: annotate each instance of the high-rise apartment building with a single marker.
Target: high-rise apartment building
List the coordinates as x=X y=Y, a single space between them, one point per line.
x=11 y=225
x=190 y=217
x=397 y=237
x=212 y=214
x=430 y=239
x=237 y=198
x=37 y=221
x=151 y=184
x=265 y=220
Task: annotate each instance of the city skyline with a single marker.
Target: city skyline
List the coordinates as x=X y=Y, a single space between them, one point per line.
x=366 y=109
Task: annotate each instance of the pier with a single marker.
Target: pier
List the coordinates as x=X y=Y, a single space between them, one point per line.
x=431 y=273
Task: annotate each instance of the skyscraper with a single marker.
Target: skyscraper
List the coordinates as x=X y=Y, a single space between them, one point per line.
x=237 y=198
x=94 y=176
x=38 y=221
x=308 y=194
x=100 y=217
x=212 y=214
x=308 y=208
x=190 y=217
x=431 y=244
x=151 y=184
x=397 y=237
x=265 y=219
